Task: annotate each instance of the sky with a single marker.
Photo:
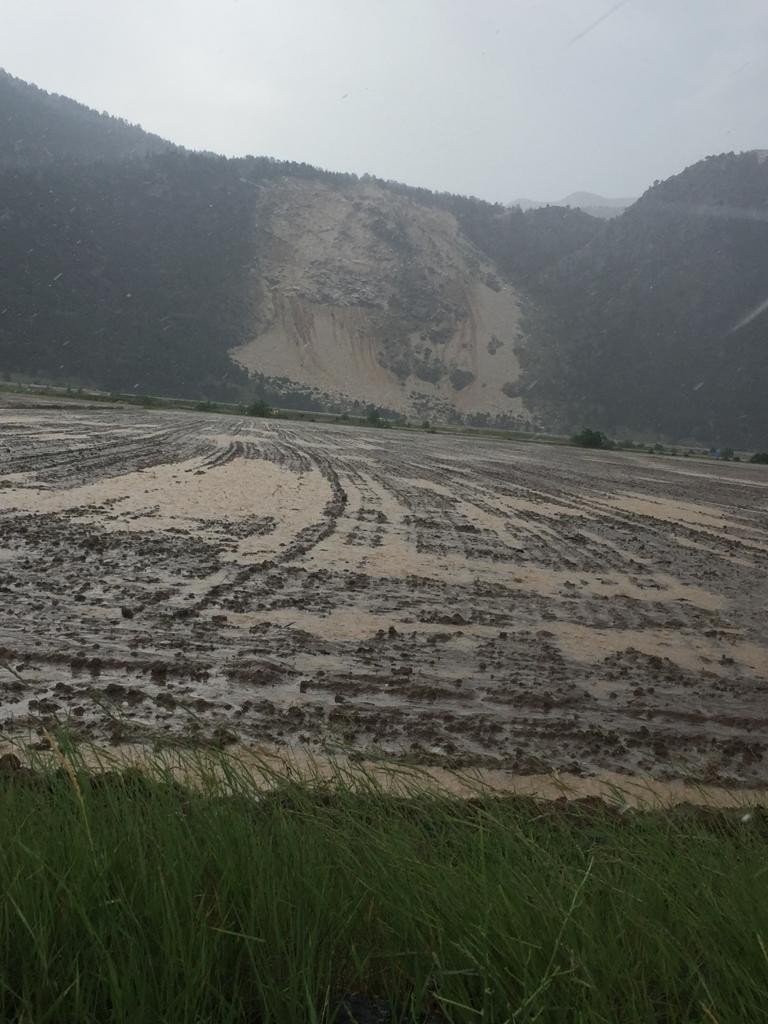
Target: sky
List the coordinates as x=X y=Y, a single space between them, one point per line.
x=496 y=98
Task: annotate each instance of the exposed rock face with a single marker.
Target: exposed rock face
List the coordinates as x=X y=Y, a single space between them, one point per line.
x=132 y=265
x=367 y=296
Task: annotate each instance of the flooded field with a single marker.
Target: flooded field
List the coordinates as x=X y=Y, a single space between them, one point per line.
x=454 y=601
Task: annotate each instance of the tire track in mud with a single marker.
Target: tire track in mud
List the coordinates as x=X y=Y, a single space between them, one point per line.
x=452 y=601
x=303 y=542
x=124 y=455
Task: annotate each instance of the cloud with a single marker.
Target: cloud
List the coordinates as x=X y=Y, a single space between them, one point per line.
x=598 y=21
x=491 y=99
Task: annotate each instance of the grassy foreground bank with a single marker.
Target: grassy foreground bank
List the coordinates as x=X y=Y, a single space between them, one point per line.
x=125 y=897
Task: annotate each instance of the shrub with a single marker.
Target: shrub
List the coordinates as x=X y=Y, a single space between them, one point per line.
x=588 y=438
x=761 y=458
x=259 y=408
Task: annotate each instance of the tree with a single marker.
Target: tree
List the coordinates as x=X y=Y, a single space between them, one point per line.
x=259 y=408
x=588 y=438
x=761 y=458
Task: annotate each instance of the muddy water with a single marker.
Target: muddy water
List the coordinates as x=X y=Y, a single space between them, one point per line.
x=454 y=602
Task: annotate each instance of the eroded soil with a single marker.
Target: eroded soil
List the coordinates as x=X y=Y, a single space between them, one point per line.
x=454 y=601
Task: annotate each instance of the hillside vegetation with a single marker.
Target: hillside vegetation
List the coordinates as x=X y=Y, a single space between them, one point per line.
x=127 y=263
x=125 y=275
x=595 y=205
x=40 y=127
x=659 y=324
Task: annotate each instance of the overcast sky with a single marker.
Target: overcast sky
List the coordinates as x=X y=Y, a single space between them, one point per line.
x=496 y=98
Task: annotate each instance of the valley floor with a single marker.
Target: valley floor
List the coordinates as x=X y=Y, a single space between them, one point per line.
x=446 y=600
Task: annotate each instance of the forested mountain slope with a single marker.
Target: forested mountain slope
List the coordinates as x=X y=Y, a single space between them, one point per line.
x=605 y=207
x=127 y=275
x=39 y=127
x=660 y=324
x=192 y=274
x=128 y=263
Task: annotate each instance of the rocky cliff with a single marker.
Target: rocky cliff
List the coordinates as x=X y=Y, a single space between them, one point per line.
x=367 y=296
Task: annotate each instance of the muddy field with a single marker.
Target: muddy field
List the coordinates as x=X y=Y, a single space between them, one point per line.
x=453 y=601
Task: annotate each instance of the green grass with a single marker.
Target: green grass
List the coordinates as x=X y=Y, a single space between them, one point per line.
x=127 y=898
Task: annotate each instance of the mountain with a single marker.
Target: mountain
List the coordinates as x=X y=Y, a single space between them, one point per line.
x=129 y=275
x=591 y=203
x=364 y=294
x=39 y=127
x=371 y=292
x=130 y=264
x=659 y=325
